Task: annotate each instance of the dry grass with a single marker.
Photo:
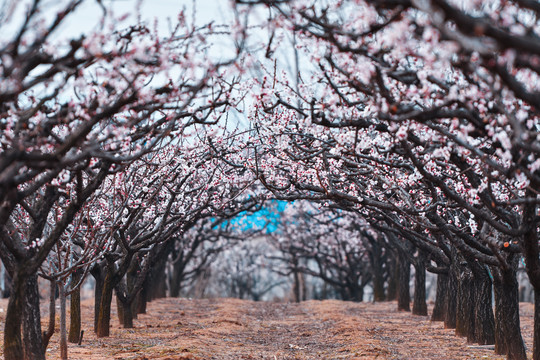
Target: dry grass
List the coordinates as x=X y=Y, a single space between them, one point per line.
x=234 y=329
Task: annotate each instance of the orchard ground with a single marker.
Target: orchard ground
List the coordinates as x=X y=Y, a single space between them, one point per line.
x=231 y=329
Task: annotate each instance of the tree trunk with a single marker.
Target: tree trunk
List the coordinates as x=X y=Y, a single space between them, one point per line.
x=450 y=310
x=131 y=292
x=304 y=287
x=158 y=281
x=392 y=271
x=52 y=315
x=356 y=292
x=32 y=335
x=158 y=284
x=135 y=305
x=508 y=338
x=536 y=343
x=404 y=274
x=484 y=329
x=63 y=322
x=465 y=319
x=174 y=286
x=125 y=311
x=7 y=283
x=441 y=298
x=156 y=278
x=23 y=311
x=361 y=294
x=296 y=286
x=104 y=316
x=75 y=310
x=119 y=310
x=128 y=315
x=159 y=290
x=377 y=262
x=13 y=349
x=419 y=303
x=97 y=273
x=344 y=293
x=143 y=297
x=378 y=286
x=531 y=252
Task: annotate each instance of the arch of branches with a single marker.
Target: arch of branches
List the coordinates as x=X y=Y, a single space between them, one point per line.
x=403 y=132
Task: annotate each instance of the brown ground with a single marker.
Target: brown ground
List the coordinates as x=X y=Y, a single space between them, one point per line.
x=234 y=329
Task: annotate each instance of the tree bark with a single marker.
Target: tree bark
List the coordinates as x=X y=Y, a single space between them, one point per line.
x=32 y=335
x=63 y=322
x=128 y=315
x=305 y=290
x=531 y=253
x=135 y=306
x=484 y=329
x=441 y=298
x=451 y=299
x=13 y=349
x=175 y=281
x=125 y=311
x=296 y=286
x=131 y=291
x=419 y=303
x=355 y=292
x=174 y=287
x=392 y=271
x=536 y=344
x=158 y=281
x=52 y=315
x=104 y=317
x=142 y=297
x=97 y=274
x=508 y=339
x=404 y=274
x=377 y=262
x=23 y=312
x=75 y=310
x=465 y=317
x=6 y=290
x=119 y=310
x=378 y=288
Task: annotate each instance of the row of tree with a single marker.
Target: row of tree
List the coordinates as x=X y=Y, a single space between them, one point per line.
x=106 y=162
x=421 y=118
x=412 y=124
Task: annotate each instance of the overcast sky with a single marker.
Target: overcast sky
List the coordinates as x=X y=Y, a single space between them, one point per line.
x=89 y=14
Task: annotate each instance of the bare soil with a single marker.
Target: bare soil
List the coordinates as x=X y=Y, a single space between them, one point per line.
x=175 y=329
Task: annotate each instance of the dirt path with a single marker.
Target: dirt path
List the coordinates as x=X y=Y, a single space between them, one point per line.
x=231 y=329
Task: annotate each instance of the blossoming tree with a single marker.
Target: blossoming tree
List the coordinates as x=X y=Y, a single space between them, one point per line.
x=75 y=111
x=420 y=112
